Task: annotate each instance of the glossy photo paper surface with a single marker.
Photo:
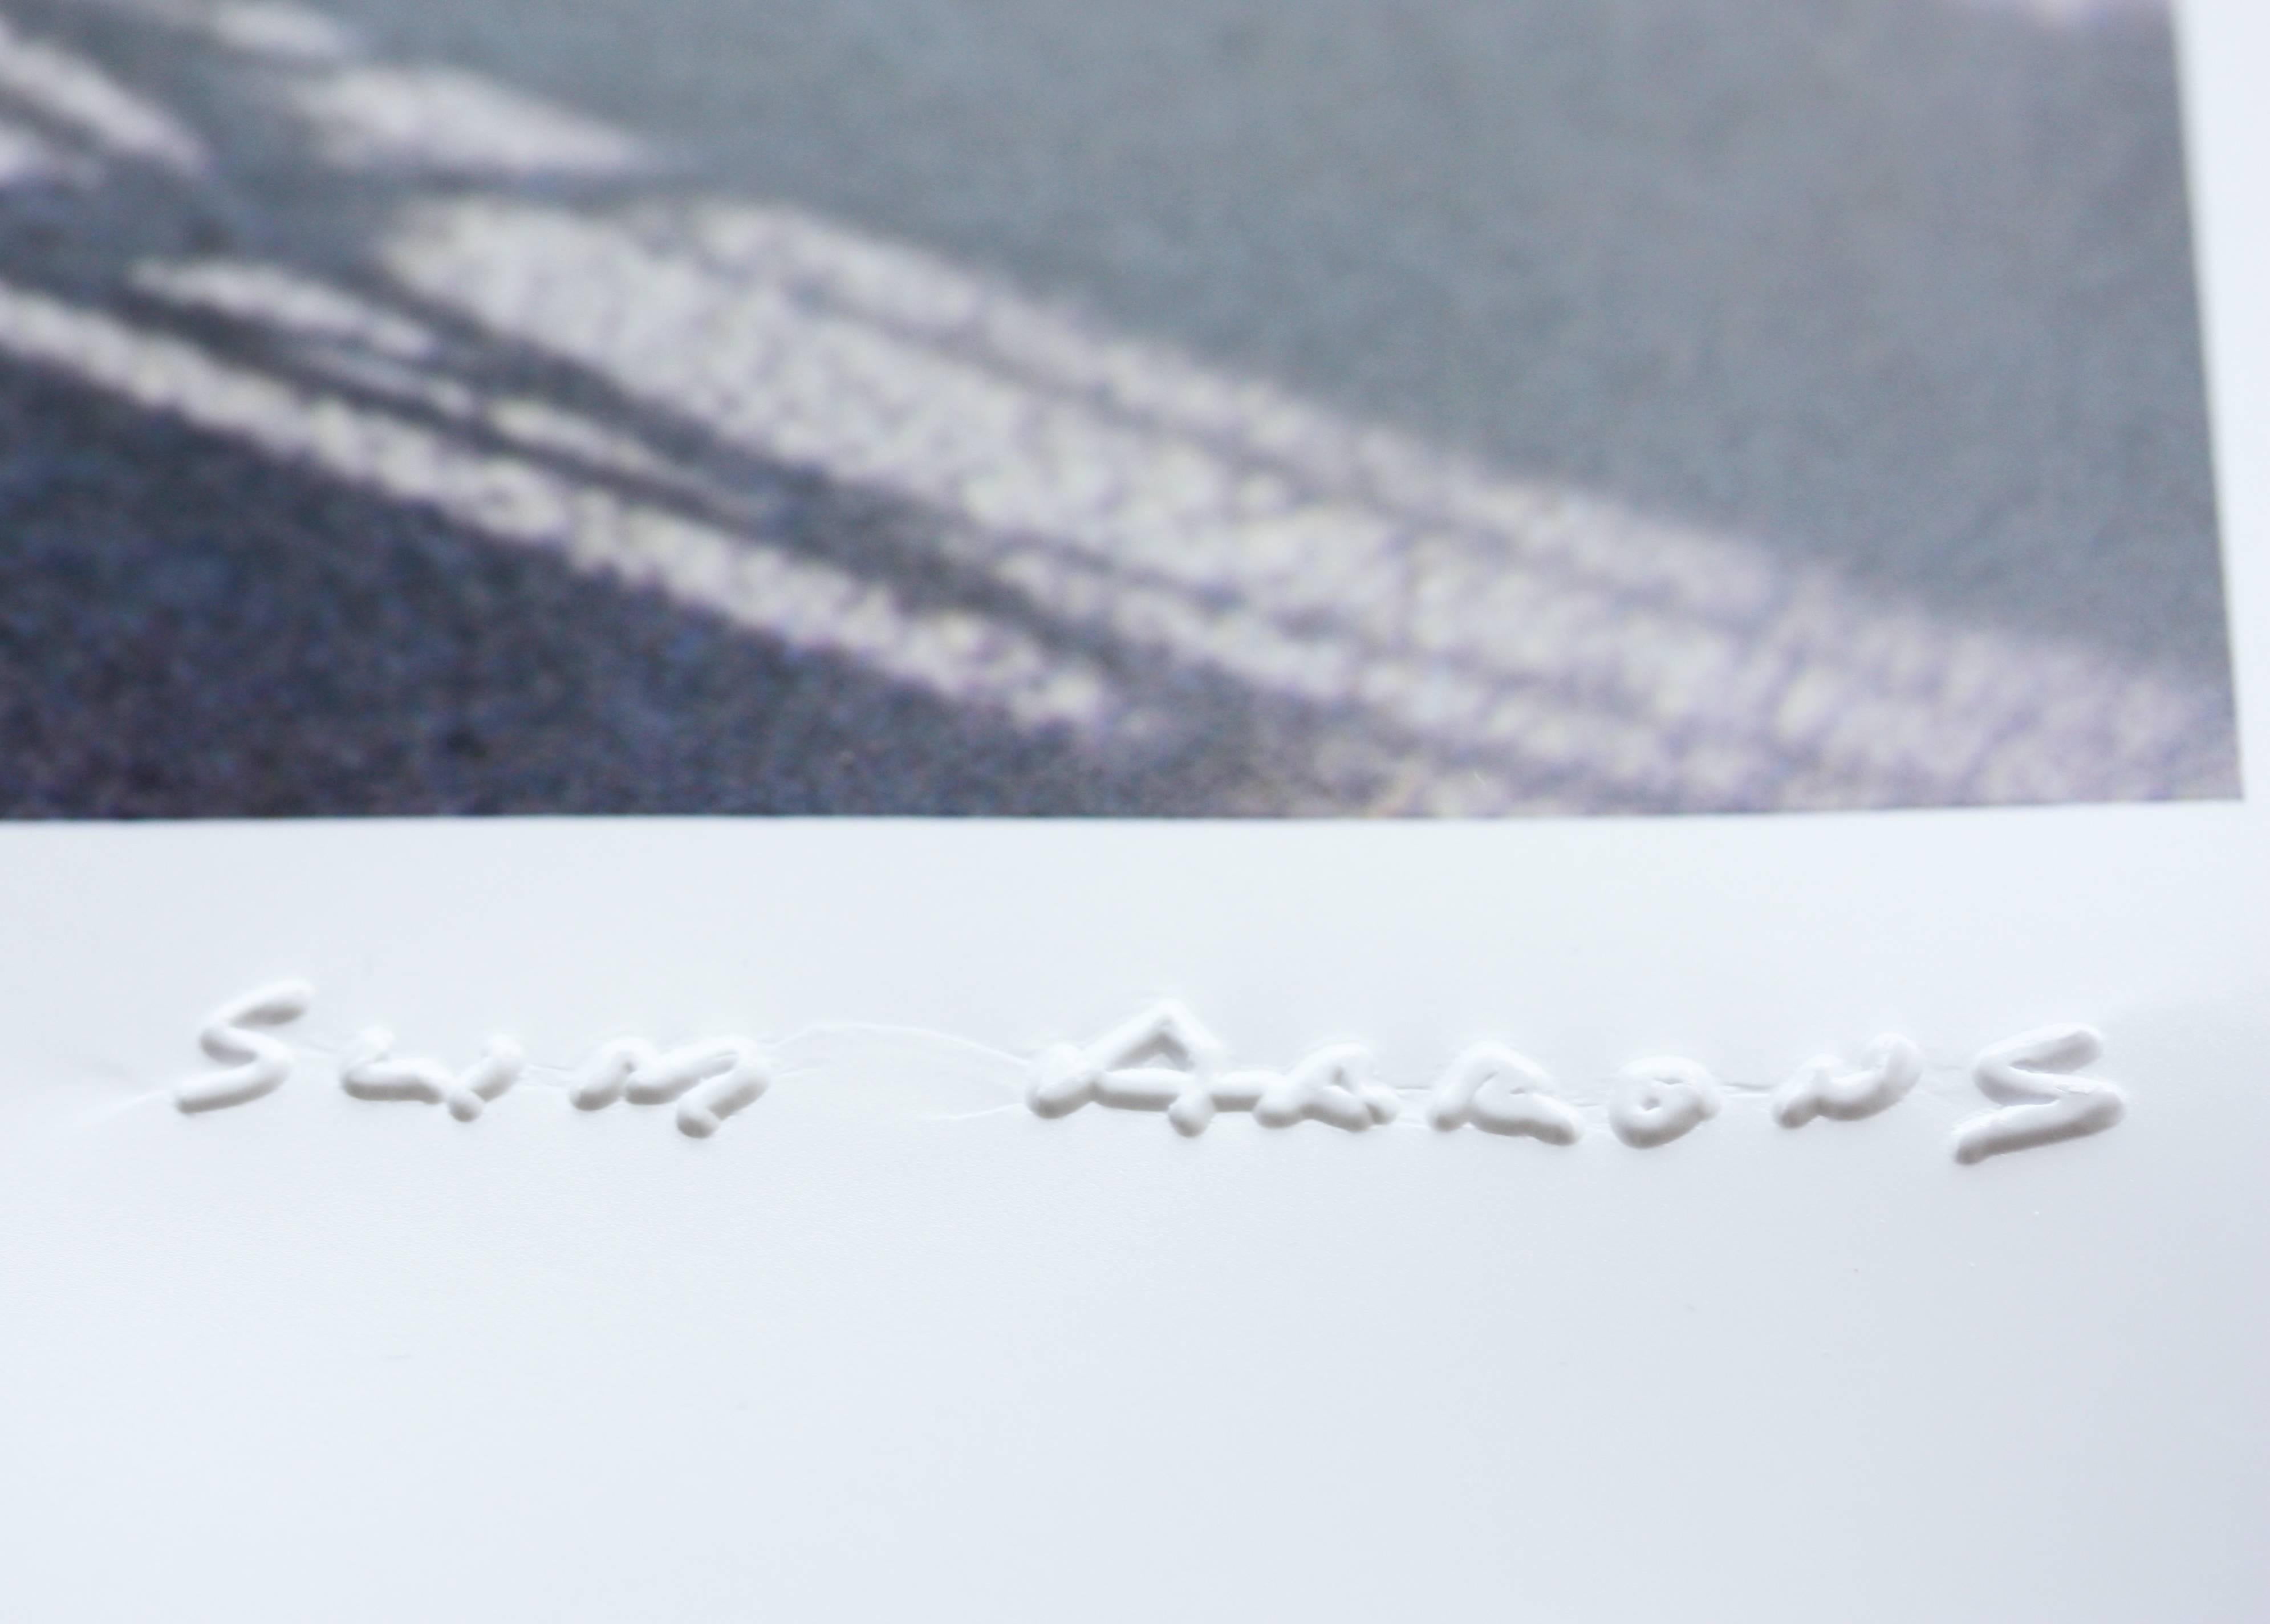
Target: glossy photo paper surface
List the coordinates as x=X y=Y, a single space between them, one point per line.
x=1856 y=1214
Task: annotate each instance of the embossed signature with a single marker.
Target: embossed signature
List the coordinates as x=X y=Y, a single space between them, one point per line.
x=709 y=1080
x=1165 y=1060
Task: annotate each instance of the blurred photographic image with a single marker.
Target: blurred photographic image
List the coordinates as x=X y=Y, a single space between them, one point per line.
x=1199 y=408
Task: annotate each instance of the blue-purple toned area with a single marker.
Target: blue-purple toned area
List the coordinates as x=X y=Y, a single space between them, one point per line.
x=1175 y=408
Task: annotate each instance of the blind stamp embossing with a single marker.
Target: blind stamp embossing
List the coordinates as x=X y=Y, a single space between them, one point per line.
x=1166 y=1060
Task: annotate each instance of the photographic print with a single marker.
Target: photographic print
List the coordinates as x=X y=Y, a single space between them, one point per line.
x=1183 y=585
x=1186 y=409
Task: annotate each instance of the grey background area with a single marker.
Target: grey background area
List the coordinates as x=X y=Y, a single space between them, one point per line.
x=1904 y=283
x=1901 y=289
